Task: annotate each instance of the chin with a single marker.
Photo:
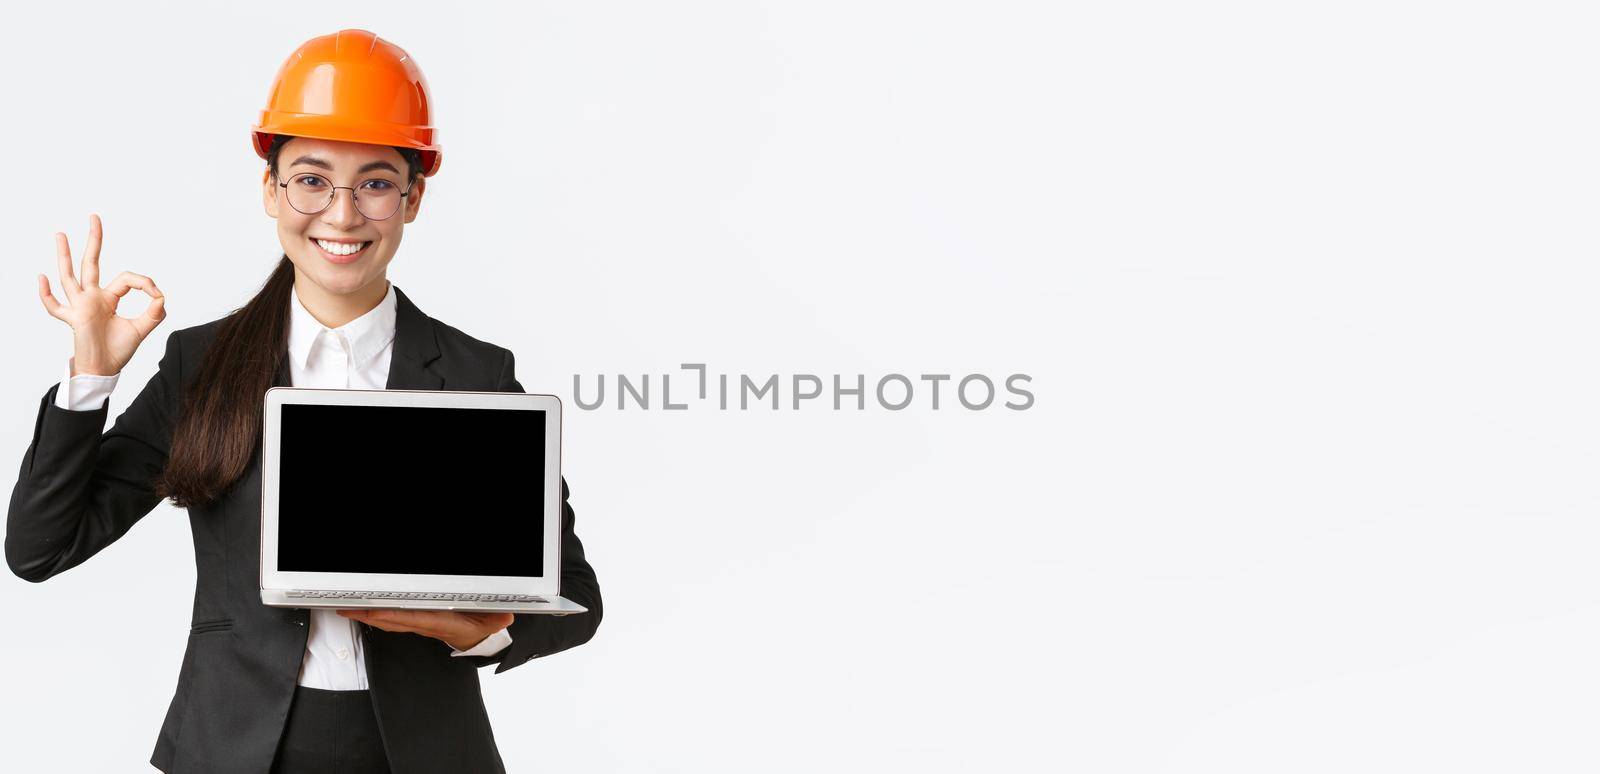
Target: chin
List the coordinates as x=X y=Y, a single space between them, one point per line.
x=342 y=283
x=334 y=279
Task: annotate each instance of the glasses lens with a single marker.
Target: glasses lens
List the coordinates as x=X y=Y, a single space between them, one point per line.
x=377 y=199
x=309 y=194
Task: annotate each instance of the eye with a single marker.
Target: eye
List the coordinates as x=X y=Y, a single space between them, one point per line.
x=309 y=181
x=378 y=186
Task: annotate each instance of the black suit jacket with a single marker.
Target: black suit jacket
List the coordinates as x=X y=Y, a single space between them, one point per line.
x=79 y=490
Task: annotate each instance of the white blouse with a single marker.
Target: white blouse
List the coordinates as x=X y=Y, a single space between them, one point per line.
x=355 y=355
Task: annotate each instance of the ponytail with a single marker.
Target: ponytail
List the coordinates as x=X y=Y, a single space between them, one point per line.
x=219 y=419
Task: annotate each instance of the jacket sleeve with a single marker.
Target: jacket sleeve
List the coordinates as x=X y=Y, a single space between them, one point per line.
x=537 y=635
x=78 y=490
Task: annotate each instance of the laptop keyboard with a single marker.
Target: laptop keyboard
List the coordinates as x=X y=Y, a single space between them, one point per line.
x=414 y=595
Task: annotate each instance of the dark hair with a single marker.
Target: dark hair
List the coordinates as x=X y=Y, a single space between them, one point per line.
x=218 y=428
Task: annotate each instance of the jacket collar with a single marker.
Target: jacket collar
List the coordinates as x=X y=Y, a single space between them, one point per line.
x=415 y=350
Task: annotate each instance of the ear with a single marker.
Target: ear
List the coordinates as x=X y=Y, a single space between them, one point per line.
x=414 y=199
x=269 y=193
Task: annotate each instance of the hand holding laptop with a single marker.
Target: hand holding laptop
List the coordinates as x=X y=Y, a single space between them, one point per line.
x=461 y=631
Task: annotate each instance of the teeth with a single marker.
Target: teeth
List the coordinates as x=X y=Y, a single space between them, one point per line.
x=341 y=248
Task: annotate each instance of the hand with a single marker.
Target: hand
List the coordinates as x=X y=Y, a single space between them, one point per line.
x=102 y=342
x=461 y=631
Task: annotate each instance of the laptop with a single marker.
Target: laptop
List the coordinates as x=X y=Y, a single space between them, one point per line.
x=423 y=499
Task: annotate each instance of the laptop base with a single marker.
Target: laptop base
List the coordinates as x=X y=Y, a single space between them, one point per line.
x=544 y=604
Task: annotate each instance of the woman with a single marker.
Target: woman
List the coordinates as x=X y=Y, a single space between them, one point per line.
x=348 y=145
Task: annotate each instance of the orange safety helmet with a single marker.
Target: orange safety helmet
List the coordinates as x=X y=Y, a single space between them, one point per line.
x=352 y=86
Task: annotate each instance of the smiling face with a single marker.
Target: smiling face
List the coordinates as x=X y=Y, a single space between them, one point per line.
x=339 y=249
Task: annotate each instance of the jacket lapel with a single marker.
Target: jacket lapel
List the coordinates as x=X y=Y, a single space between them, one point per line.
x=414 y=349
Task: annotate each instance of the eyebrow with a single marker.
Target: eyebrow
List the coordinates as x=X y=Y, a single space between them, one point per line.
x=365 y=168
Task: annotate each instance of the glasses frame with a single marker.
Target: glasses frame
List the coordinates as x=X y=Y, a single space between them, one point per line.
x=333 y=193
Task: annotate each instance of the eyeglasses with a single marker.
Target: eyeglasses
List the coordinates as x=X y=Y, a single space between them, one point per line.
x=375 y=199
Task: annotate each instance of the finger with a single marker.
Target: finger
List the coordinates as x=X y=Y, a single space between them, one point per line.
x=390 y=626
x=154 y=313
x=463 y=622
x=91 y=253
x=497 y=620
x=69 y=283
x=425 y=619
x=439 y=619
x=51 y=305
x=441 y=624
x=386 y=623
x=122 y=283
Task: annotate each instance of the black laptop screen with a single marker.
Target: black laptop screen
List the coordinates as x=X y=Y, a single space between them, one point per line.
x=390 y=489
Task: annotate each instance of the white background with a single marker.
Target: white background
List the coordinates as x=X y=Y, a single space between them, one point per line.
x=1305 y=290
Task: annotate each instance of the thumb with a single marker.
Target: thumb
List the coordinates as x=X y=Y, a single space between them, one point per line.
x=153 y=315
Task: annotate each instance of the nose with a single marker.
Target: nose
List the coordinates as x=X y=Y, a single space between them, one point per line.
x=341 y=213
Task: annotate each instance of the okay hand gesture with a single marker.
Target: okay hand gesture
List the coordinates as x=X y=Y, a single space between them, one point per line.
x=102 y=341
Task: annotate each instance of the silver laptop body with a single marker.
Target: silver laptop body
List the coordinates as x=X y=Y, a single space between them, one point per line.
x=421 y=499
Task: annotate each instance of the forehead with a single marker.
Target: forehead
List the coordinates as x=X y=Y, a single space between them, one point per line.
x=339 y=154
